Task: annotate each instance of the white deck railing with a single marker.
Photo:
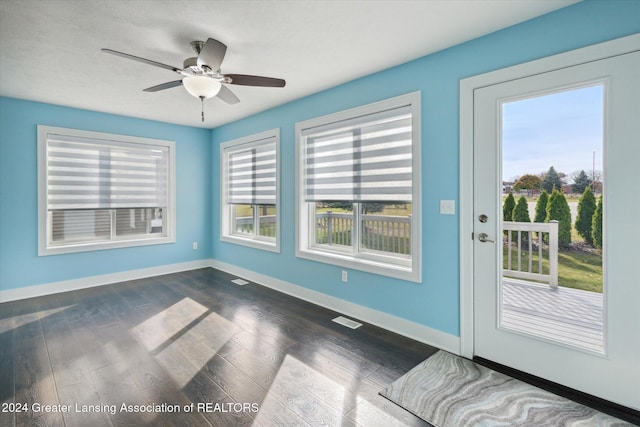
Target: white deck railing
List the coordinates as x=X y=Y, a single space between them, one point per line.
x=245 y=224
x=520 y=239
x=385 y=233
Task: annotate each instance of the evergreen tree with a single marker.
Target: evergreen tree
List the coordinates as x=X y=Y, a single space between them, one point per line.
x=551 y=180
x=541 y=207
x=586 y=209
x=580 y=182
x=507 y=207
x=558 y=209
x=521 y=214
x=596 y=225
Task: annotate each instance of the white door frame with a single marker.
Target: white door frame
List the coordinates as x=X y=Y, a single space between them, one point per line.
x=467 y=87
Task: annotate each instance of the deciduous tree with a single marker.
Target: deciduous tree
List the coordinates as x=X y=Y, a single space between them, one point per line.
x=528 y=182
x=367 y=207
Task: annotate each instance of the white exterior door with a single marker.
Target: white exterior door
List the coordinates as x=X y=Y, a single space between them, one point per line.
x=610 y=367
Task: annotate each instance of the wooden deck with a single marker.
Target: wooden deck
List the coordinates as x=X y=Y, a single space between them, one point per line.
x=570 y=316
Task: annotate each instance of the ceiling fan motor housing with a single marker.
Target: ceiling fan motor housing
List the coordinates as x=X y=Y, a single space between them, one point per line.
x=191 y=64
x=197 y=45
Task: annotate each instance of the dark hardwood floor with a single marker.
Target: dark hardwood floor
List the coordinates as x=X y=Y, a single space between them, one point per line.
x=242 y=355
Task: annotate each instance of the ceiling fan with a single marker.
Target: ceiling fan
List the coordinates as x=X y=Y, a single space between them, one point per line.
x=201 y=75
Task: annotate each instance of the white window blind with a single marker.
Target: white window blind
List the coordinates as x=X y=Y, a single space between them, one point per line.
x=367 y=158
x=95 y=174
x=98 y=190
x=251 y=173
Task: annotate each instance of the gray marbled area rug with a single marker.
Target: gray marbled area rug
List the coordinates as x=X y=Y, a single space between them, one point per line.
x=450 y=391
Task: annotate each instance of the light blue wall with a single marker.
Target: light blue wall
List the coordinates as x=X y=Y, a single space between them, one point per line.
x=434 y=302
x=20 y=265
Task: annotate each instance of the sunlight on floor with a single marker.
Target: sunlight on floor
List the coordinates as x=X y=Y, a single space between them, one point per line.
x=290 y=389
x=17 y=321
x=184 y=347
x=299 y=392
x=156 y=330
x=368 y=414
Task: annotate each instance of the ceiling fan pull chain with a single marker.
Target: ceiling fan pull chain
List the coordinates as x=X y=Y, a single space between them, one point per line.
x=202 y=103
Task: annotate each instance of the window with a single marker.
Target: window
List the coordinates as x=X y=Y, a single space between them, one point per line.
x=250 y=190
x=358 y=195
x=100 y=191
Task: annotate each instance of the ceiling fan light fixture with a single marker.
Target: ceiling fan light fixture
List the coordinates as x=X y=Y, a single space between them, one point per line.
x=202 y=87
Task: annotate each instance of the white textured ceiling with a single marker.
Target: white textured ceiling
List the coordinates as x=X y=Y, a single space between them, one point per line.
x=50 y=49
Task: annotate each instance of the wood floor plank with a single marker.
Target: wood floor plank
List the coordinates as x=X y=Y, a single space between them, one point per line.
x=81 y=395
x=196 y=338
x=234 y=382
x=205 y=394
x=34 y=382
x=65 y=354
x=7 y=373
x=166 y=393
x=306 y=405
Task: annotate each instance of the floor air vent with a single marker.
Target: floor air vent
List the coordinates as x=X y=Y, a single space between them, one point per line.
x=347 y=322
x=240 y=282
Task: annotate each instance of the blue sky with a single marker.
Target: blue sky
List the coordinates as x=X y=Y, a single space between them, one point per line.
x=561 y=129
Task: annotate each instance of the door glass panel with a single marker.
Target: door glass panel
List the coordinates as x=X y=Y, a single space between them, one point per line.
x=552 y=188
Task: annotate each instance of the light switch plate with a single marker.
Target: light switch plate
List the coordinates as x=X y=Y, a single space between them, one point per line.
x=447 y=207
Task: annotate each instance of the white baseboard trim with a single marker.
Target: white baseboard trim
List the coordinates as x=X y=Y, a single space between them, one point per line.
x=387 y=321
x=407 y=328
x=93 y=281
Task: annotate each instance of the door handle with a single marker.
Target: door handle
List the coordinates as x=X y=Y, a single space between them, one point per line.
x=483 y=238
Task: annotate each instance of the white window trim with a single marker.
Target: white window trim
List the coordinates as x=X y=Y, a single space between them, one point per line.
x=257 y=242
x=373 y=264
x=44 y=248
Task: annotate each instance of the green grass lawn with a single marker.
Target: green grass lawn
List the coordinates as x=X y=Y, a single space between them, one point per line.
x=577 y=268
x=580 y=270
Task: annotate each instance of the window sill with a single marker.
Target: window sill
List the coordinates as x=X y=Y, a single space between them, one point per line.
x=397 y=271
x=266 y=245
x=98 y=246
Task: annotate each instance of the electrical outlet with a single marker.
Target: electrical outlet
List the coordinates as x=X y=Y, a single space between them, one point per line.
x=344 y=276
x=194 y=245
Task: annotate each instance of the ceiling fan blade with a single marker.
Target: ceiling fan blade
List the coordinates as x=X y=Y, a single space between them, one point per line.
x=212 y=54
x=163 y=86
x=137 y=58
x=227 y=96
x=247 y=80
